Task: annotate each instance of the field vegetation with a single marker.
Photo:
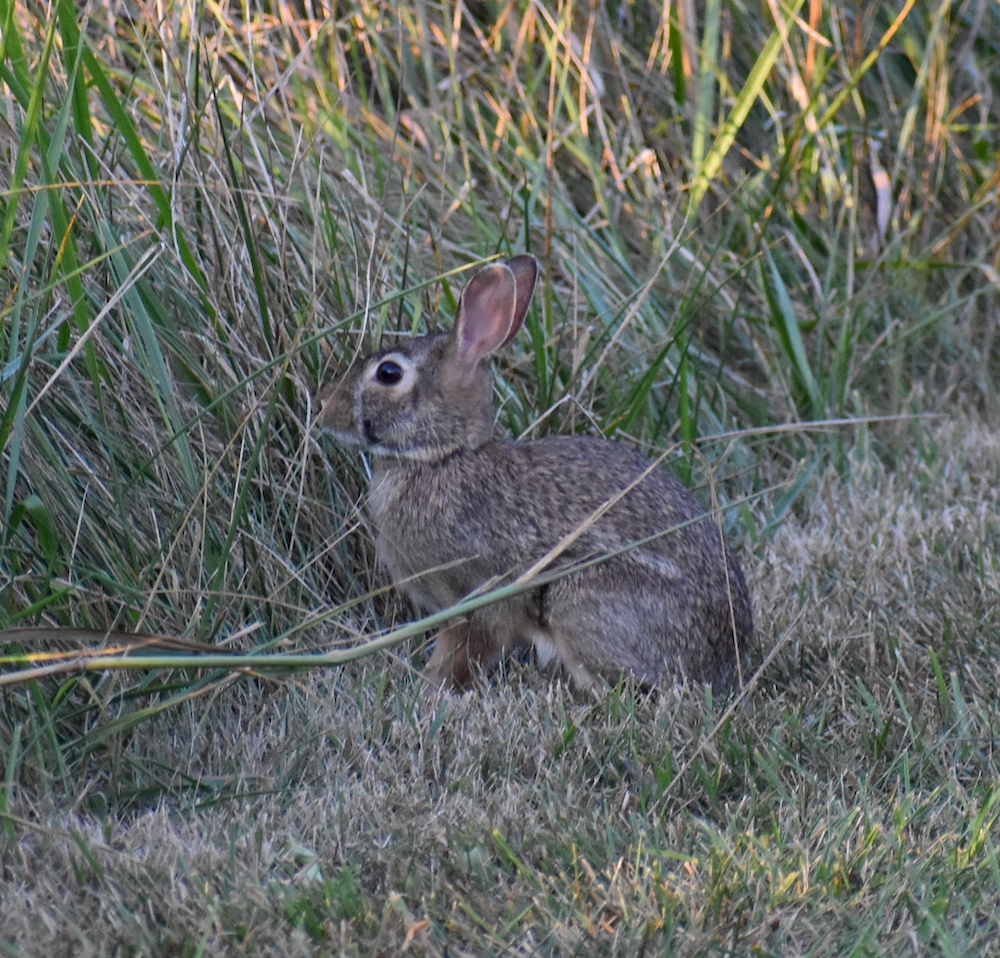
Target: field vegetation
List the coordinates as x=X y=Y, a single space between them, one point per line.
x=770 y=242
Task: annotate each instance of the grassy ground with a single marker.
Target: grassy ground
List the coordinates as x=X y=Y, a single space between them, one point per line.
x=747 y=225
x=848 y=806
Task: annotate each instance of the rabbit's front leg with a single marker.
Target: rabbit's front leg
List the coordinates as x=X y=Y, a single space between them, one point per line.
x=458 y=649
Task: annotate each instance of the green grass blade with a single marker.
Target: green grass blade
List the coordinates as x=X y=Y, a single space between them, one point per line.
x=705 y=104
x=139 y=155
x=28 y=135
x=787 y=322
x=749 y=94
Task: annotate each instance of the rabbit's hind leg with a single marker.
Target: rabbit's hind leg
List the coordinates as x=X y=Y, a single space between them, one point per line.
x=554 y=644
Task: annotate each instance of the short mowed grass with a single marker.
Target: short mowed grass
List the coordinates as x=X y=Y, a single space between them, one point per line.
x=770 y=241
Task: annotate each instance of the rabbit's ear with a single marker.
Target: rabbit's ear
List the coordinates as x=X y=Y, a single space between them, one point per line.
x=525 y=270
x=485 y=314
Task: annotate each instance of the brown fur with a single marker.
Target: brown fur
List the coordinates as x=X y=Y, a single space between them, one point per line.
x=458 y=511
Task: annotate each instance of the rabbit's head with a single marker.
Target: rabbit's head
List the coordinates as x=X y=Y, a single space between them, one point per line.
x=431 y=397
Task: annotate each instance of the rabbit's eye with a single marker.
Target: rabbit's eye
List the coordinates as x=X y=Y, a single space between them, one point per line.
x=388 y=372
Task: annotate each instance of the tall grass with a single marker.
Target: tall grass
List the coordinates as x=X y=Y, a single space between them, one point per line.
x=748 y=217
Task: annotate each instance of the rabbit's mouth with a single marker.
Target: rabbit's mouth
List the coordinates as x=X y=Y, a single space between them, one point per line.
x=378 y=443
x=389 y=446
x=346 y=438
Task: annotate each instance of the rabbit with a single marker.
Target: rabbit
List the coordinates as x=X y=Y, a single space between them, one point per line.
x=459 y=511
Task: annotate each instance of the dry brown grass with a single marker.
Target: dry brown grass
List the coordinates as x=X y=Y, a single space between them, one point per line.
x=851 y=801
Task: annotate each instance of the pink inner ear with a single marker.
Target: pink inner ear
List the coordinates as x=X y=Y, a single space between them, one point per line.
x=525 y=270
x=485 y=313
